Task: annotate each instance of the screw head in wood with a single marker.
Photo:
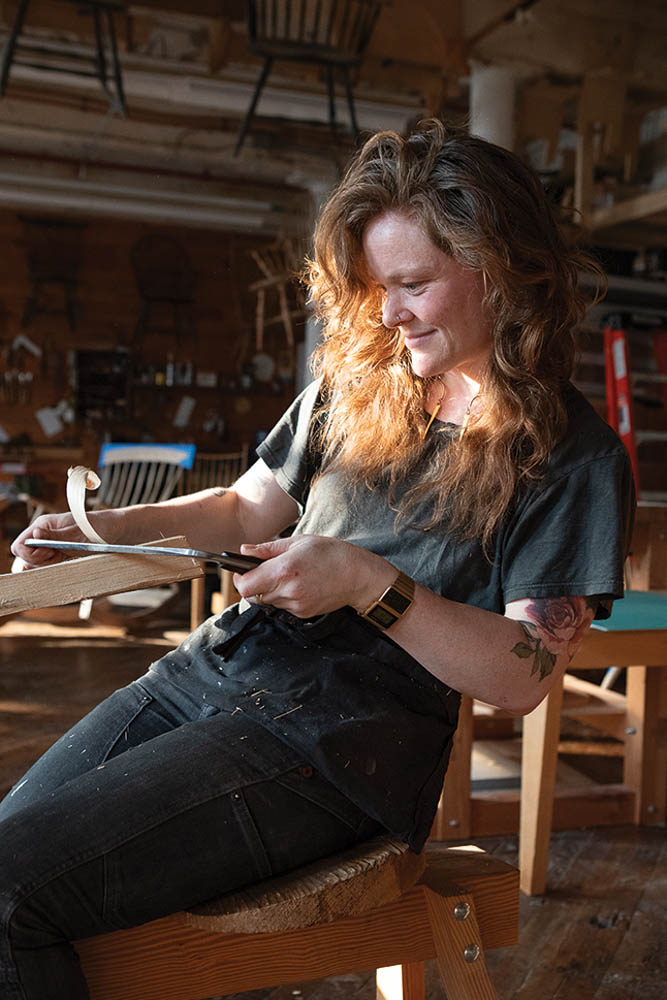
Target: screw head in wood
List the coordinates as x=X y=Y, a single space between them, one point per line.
x=471 y=953
x=461 y=910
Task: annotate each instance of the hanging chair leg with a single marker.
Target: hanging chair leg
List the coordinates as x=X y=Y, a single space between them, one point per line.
x=332 y=100
x=118 y=103
x=10 y=45
x=350 y=101
x=100 y=58
x=253 y=104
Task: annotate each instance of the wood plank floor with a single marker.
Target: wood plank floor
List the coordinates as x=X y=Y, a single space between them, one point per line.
x=600 y=933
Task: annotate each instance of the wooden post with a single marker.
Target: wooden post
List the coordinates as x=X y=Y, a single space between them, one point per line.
x=647 y=565
x=584 y=173
x=645 y=765
x=197 y=601
x=539 y=756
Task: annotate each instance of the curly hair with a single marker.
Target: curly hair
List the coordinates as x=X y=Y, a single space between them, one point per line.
x=485 y=208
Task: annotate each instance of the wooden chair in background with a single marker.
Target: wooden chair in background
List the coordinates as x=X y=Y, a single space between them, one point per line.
x=141 y=473
x=279 y=265
x=130 y=474
x=634 y=637
x=635 y=640
x=133 y=474
x=215 y=469
x=332 y=35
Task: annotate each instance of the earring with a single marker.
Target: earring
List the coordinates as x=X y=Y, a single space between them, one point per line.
x=436 y=409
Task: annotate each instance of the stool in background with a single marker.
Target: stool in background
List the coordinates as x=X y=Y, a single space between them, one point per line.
x=634 y=637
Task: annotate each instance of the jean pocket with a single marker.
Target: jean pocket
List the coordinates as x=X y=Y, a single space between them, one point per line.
x=308 y=783
x=136 y=718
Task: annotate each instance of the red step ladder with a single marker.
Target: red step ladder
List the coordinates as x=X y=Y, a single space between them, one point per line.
x=619 y=393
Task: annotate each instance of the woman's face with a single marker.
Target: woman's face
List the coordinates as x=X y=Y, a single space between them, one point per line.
x=434 y=301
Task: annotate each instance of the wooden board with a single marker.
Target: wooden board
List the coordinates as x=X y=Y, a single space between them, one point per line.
x=494 y=813
x=94 y=576
x=622 y=647
x=649 y=205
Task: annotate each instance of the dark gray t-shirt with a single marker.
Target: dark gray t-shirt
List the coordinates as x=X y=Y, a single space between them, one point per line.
x=365 y=713
x=567 y=534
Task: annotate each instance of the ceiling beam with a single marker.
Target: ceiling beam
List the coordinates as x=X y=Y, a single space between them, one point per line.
x=149 y=202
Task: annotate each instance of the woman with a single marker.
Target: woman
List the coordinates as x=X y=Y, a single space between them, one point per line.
x=462 y=515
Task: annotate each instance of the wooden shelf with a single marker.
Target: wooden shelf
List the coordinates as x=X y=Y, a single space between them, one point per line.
x=628 y=293
x=649 y=207
x=42 y=452
x=632 y=223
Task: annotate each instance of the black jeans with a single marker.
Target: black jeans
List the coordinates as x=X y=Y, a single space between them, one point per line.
x=147 y=806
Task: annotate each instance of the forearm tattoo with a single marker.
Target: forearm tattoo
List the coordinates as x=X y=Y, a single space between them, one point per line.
x=556 y=627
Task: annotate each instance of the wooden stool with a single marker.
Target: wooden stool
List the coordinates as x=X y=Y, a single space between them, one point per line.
x=377 y=905
x=635 y=634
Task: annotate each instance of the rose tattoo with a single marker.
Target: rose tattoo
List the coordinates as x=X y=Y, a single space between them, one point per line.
x=557 y=627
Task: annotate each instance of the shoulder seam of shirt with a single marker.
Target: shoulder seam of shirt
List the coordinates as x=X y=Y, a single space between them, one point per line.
x=544 y=483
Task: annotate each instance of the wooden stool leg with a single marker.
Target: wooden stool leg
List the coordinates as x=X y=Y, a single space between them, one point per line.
x=458 y=947
x=539 y=756
x=400 y=982
x=645 y=766
x=229 y=592
x=197 y=601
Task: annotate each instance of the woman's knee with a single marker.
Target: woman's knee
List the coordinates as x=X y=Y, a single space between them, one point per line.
x=36 y=956
x=46 y=897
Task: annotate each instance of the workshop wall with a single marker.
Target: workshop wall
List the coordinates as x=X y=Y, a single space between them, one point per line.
x=84 y=357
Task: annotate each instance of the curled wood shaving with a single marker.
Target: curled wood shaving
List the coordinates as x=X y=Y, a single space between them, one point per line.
x=80 y=479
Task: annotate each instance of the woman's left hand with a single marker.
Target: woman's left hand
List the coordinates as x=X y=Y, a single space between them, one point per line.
x=310 y=575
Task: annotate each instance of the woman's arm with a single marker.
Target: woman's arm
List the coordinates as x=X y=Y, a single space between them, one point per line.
x=508 y=660
x=218 y=519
